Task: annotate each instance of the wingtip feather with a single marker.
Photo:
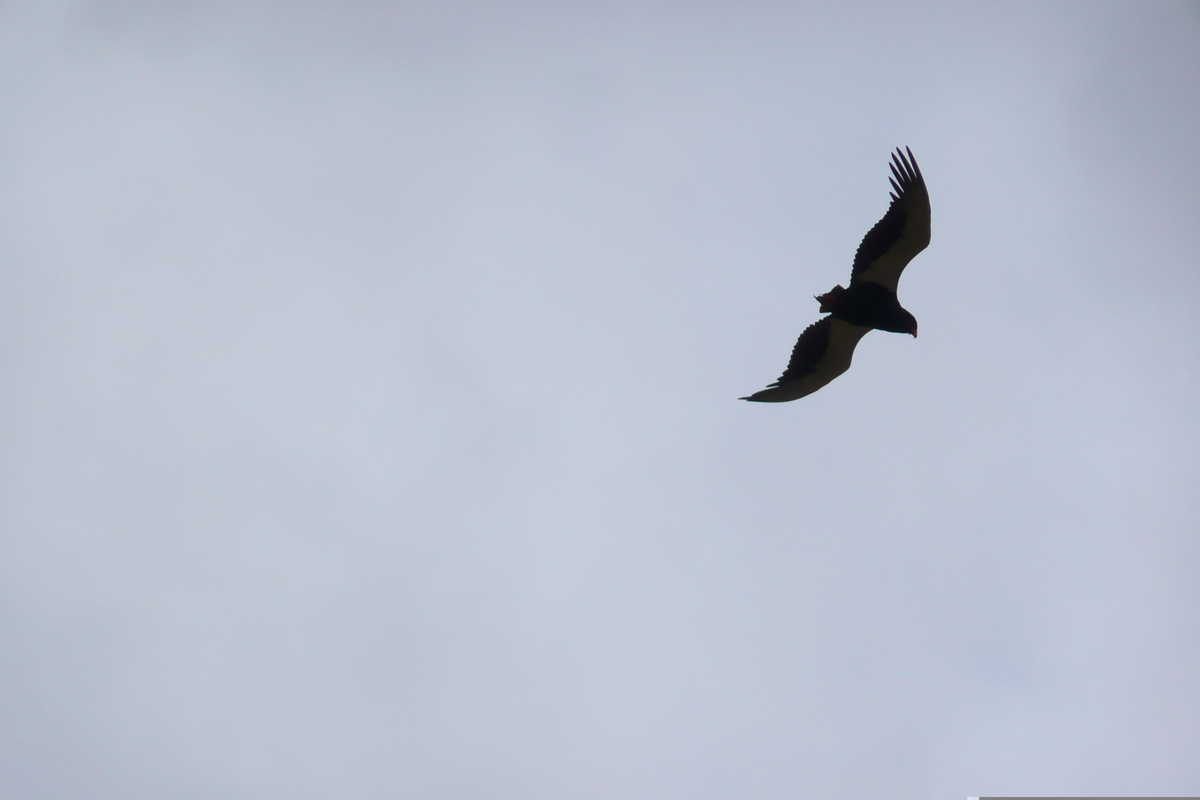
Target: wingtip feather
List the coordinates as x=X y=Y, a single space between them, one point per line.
x=913 y=159
x=904 y=168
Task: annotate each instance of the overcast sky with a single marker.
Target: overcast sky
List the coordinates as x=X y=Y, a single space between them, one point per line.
x=368 y=418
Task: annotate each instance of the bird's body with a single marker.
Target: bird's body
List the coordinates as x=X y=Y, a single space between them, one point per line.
x=870 y=305
x=826 y=347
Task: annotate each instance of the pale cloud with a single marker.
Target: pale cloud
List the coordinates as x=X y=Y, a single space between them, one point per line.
x=369 y=419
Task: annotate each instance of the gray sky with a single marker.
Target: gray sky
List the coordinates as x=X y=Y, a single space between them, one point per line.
x=368 y=423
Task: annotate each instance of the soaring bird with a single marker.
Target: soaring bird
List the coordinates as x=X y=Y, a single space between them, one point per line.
x=826 y=347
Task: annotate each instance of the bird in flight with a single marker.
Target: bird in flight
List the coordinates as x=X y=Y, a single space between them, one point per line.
x=826 y=347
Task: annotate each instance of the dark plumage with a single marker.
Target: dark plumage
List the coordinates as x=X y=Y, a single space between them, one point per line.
x=826 y=347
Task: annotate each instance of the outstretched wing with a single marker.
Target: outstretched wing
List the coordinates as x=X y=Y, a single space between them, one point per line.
x=821 y=353
x=902 y=233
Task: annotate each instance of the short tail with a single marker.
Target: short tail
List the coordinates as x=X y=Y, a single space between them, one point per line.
x=831 y=299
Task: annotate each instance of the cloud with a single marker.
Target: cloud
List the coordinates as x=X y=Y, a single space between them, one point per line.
x=369 y=419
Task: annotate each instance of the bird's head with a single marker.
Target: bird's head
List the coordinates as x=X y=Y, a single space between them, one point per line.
x=896 y=318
